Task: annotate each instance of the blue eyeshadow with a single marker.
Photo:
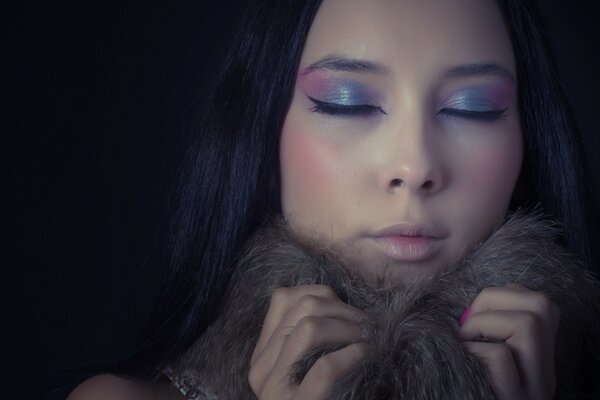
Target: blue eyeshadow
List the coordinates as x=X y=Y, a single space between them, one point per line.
x=347 y=93
x=471 y=99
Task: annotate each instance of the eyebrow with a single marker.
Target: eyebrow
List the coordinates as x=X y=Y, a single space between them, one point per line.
x=483 y=69
x=339 y=63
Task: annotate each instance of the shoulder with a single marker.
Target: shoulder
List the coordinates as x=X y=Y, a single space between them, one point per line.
x=106 y=386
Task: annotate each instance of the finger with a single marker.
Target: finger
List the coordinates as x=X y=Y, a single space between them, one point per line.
x=328 y=369
x=500 y=324
x=520 y=330
x=501 y=367
x=533 y=346
x=311 y=332
x=274 y=364
x=305 y=307
x=517 y=297
x=524 y=334
x=281 y=300
x=304 y=304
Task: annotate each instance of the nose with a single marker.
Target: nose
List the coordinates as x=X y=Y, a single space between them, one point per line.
x=412 y=162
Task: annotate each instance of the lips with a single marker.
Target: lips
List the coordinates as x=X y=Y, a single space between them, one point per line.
x=409 y=242
x=411 y=230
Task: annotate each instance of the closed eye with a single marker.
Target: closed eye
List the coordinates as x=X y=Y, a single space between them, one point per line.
x=482 y=116
x=345 y=110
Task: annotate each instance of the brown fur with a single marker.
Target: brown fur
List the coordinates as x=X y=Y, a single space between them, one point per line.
x=415 y=352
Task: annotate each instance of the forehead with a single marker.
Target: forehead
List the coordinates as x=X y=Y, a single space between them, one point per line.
x=411 y=35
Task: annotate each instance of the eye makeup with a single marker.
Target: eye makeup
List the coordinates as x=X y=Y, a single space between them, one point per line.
x=480 y=101
x=472 y=99
x=337 y=95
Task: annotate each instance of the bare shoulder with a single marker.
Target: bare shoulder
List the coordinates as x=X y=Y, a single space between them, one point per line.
x=106 y=386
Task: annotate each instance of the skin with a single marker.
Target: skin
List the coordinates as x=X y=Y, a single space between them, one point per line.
x=410 y=159
x=107 y=386
x=339 y=173
x=344 y=178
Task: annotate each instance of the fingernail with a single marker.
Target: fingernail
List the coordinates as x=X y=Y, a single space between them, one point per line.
x=464 y=316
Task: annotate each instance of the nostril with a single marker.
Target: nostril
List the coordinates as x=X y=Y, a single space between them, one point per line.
x=428 y=185
x=396 y=182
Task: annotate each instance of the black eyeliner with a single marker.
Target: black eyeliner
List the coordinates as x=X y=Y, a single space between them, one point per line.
x=483 y=116
x=350 y=110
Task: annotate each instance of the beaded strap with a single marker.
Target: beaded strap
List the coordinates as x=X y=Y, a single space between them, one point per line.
x=187 y=384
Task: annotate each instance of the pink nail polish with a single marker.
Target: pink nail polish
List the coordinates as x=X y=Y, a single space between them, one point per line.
x=464 y=316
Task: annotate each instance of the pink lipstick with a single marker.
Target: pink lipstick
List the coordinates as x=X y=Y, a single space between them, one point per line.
x=409 y=242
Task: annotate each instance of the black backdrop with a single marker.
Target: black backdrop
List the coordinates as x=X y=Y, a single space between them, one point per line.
x=96 y=100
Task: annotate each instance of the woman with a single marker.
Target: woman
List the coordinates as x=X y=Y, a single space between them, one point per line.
x=401 y=134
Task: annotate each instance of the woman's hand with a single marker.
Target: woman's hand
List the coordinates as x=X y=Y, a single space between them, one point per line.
x=299 y=319
x=523 y=366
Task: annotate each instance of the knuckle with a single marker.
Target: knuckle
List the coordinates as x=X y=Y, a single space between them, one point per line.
x=307 y=328
x=500 y=353
x=488 y=291
x=267 y=388
x=326 y=291
x=541 y=302
x=309 y=303
x=327 y=368
x=254 y=379
x=280 y=295
x=529 y=321
x=361 y=349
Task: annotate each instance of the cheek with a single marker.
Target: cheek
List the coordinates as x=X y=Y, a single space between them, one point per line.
x=488 y=172
x=308 y=171
x=484 y=179
x=494 y=171
x=303 y=162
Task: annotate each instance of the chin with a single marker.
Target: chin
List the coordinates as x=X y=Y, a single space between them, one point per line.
x=379 y=268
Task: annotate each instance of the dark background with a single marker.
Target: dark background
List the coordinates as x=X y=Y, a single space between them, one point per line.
x=97 y=99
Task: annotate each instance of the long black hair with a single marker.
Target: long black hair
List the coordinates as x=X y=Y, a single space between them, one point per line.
x=230 y=180
x=554 y=170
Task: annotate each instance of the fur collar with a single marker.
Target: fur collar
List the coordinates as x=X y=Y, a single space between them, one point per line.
x=412 y=328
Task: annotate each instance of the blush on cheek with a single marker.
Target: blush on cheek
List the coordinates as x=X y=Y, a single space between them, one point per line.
x=494 y=173
x=307 y=171
x=305 y=161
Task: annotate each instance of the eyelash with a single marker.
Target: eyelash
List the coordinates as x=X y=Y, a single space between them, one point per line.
x=351 y=111
x=368 y=109
x=480 y=116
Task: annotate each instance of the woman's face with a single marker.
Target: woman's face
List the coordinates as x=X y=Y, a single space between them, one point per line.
x=402 y=144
